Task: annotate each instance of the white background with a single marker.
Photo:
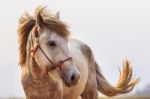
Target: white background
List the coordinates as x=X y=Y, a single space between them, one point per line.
x=114 y=29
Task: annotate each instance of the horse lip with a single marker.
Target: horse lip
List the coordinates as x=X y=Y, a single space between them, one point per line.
x=68 y=84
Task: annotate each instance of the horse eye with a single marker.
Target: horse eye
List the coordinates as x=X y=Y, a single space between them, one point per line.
x=52 y=43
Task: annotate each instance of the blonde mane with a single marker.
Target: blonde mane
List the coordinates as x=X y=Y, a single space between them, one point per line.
x=43 y=18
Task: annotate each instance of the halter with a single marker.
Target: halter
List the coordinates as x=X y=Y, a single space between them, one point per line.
x=54 y=65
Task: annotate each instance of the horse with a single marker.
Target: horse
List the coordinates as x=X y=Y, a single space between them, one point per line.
x=55 y=65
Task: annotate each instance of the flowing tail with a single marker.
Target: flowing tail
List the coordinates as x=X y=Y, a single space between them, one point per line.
x=124 y=85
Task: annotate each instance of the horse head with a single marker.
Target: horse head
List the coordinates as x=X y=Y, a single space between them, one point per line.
x=48 y=40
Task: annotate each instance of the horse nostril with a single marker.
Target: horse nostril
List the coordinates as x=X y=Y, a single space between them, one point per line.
x=74 y=77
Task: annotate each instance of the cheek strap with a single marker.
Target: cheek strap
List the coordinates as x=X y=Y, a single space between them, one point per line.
x=34 y=48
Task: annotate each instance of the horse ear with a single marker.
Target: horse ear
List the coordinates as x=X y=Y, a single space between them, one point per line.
x=39 y=15
x=57 y=15
x=39 y=20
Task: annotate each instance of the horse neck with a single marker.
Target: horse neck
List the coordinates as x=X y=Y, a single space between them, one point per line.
x=36 y=72
x=33 y=68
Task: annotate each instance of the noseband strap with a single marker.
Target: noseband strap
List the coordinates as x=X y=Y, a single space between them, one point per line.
x=60 y=63
x=55 y=65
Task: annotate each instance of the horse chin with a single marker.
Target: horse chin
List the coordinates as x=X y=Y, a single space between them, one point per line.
x=70 y=85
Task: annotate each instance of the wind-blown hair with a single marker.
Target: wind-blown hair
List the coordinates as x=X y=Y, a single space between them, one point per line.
x=43 y=18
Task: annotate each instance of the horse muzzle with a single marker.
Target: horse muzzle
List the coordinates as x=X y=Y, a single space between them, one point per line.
x=70 y=76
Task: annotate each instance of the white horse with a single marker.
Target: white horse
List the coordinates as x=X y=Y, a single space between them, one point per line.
x=56 y=66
